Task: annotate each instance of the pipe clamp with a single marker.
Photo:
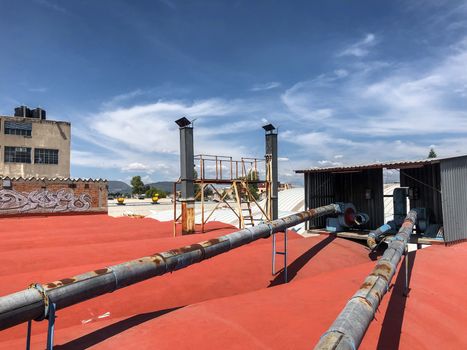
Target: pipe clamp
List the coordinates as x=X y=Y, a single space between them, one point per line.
x=45 y=299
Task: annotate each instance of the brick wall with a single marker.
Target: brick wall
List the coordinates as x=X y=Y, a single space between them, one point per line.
x=20 y=196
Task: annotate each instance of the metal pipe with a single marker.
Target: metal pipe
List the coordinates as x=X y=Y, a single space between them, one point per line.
x=361 y=219
x=32 y=303
x=348 y=329
x=375 y=235
x=271 y=151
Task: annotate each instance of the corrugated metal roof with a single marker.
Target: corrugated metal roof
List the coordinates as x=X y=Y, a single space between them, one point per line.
x=378 y=165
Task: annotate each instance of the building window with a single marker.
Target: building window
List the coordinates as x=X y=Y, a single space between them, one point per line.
x=14 y=128
x=45 y=156
x=17 y=154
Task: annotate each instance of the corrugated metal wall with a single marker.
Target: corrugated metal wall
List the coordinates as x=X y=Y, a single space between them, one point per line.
x=454 y=189
x=324 y=188
x=427 y=180
x=351 y=187
x=319 y=189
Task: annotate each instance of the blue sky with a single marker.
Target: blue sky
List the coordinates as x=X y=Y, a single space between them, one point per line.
x=345 y=81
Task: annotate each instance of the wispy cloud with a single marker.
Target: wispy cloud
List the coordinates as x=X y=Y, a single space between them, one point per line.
x=407 y=100
x=138 y=167
x=119 y=99
x=134 y=136
x=53 y=5
x=360 y=48
x=168 y=3
x=265 y=86
x=38 y=89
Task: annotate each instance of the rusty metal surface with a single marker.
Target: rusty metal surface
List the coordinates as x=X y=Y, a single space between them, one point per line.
x=29 y=304
x=350 y=326
x=377 y=235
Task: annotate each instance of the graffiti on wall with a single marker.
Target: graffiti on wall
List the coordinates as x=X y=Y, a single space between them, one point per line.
x=43 y=201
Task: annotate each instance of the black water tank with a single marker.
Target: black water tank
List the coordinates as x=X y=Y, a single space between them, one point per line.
x=22 y=111
x=38 y=113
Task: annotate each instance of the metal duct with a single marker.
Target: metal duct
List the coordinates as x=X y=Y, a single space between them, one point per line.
x=33 y=303
x=347 y=331
x=187 y=175
x=271 y=152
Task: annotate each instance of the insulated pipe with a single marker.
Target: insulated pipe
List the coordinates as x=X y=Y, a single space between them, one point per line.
x=375 y=235
x=32 y=303
x=347 y=331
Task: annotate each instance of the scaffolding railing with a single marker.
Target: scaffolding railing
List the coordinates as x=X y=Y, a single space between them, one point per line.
x=238 y=175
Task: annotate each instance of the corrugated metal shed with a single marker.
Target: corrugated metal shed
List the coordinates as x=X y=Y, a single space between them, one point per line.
x=426 y=180
x=441 y=185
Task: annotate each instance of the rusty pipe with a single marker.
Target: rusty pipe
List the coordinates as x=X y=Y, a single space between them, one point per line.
x=348 y=329
x=375 y=235
x=31 y=303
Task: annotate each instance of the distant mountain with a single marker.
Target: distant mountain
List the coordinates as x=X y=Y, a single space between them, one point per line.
x=166 y=186
x=118 y=187
x=124 y=188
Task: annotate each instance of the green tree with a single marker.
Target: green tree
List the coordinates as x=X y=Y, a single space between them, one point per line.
x=152 y=190
x=138 y=185
x=253 y=187
x=432 y=154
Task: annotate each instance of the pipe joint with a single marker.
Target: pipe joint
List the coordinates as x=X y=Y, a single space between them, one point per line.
x=45 y=300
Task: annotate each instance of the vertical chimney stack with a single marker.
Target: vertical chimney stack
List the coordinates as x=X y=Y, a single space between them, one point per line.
x=187 y=175
x=271 y=154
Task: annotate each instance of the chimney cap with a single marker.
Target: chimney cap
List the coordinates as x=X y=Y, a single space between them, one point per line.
x=269 y=127
x=182 y=122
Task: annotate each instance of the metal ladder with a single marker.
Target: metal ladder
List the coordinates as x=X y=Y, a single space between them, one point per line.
x=247 y=214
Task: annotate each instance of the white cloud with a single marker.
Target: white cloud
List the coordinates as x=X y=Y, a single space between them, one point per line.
x=366 y=111
x=115 y=101
x=137 y=167
x=341 y=73
x=265 y=86
x=407 y=100
x=133 y=137
x=328 y=163
x=38 y=89
x=360 y=48
x=151 y=127
x=52 y=6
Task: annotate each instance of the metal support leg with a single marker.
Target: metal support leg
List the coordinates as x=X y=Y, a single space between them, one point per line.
x=51 y=328
x=275 y=252
x=28 y=336
x=285 y=256
x=406 y=258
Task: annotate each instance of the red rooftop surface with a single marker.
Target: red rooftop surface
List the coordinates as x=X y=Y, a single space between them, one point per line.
x=230 y=301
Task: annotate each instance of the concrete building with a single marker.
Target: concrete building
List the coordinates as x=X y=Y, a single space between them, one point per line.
x=31 y=146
